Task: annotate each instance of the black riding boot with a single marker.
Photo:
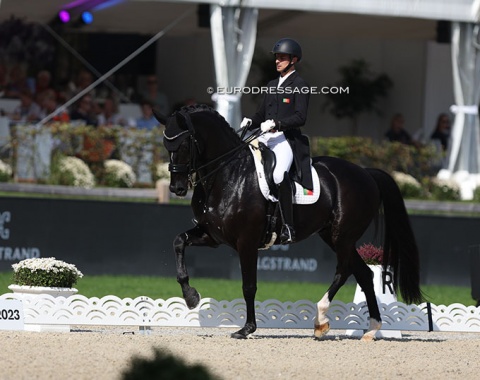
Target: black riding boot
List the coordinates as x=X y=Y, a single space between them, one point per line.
x=285 y=201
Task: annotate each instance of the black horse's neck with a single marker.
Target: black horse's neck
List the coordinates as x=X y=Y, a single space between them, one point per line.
x=213 y=133
x=215 y=145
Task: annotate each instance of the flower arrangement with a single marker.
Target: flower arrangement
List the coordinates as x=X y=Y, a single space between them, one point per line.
x=162 y=171
x=72 y=171
x=476 y=194
x=5 y=171
x=444 y=189
x=45 y=272
x=409 y=186
x=118 y=174
x=371 y=254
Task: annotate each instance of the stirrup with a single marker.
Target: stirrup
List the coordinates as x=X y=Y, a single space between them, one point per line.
x=287 y=235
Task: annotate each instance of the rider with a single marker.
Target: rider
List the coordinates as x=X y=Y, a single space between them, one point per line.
x=280 y=116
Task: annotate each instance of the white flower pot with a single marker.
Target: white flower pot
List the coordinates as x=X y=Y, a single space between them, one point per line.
x=383 y=286
x=34 y=290
x=28 y=294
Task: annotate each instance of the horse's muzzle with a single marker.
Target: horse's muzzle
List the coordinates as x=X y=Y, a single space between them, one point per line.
x=178 y=188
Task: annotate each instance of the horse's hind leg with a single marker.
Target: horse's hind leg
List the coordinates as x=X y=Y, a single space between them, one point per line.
x=364 y=277
x=322 y=325
x=196 y=237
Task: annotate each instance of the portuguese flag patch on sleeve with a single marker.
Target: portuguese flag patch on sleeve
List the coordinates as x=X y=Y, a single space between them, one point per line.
x=307 y=192
x=286 y=100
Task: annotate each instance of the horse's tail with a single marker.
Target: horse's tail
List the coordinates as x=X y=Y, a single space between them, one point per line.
x=400 y=248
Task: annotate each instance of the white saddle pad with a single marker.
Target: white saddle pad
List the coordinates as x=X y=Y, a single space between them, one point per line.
x=302 y=196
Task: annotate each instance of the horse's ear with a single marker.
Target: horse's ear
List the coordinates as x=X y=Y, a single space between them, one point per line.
x=159 y=116
x=181 y=121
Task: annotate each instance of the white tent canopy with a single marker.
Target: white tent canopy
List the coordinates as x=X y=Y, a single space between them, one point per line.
x=232 y=64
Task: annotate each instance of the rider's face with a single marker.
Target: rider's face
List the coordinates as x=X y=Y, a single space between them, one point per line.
x=281 y=61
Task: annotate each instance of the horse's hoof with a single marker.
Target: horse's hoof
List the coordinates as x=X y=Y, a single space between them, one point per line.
x=368 y=337
x=238 y=335
x=192 y=298
x=321 y=330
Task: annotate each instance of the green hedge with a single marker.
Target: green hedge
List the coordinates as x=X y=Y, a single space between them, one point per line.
x=418 y=162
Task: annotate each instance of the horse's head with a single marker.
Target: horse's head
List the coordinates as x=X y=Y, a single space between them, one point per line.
x=194 y=136
x=178 y=139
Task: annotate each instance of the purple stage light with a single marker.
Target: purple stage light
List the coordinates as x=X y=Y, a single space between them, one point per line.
x=64 y=16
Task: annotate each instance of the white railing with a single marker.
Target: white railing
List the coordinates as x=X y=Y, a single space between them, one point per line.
x=145 y=312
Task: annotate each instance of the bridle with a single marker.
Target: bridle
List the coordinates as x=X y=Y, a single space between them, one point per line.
x=191 y=168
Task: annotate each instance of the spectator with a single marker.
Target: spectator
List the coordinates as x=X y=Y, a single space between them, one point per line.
x=42 y=85
x=83 y=80
x=27 y=110
x=186 y=102
x=109 y=114
x=155 y=96
x=147 y=120
x=397 y=131
x=442 y=131
x=17 y=82
x=49 y=105
x=84 y=111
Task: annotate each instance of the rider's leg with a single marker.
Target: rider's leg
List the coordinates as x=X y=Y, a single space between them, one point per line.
x=284 y=156
x=287 y=234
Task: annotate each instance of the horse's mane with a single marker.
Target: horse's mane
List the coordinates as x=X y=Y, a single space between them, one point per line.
x=203 y=108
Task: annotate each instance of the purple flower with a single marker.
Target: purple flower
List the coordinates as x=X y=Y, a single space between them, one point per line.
x=371 y=254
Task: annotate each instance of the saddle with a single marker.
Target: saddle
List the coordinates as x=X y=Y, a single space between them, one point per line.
x=269 y=161
x=265 y=162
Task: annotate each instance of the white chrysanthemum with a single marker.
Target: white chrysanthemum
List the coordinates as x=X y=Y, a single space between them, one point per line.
x=120 y=171
x=162 y=170
x=82 y=176
x=407 y=179
x=5 y=168
x=446 y=183
x=47 y=264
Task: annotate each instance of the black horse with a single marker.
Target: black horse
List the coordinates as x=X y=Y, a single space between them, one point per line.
x=229 y=208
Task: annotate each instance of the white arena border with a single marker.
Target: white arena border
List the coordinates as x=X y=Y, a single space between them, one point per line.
x=145 y=312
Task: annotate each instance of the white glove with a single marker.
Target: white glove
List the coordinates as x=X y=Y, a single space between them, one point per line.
x=246 y=122
x=267 y=125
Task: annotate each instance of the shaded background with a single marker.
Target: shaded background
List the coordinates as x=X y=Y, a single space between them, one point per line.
x=136 y=238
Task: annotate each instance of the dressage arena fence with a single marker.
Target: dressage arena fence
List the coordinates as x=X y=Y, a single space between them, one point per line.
x=48 y=313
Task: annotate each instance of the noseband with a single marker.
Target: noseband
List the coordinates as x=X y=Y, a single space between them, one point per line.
x=195 y=149
x=175 y=142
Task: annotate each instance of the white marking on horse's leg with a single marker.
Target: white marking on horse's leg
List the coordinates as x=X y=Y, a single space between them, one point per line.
x=372 y=330
x=322 y=326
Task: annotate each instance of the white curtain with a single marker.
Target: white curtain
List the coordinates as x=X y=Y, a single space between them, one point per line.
x=465 y=152
x=234 y=32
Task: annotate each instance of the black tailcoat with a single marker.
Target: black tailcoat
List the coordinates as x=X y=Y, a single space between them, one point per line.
x=288 y=106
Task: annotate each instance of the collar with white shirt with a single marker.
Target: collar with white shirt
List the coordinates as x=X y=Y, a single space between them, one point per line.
x=282 y=79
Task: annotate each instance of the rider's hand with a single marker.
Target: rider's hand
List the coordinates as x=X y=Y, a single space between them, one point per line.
x=267 y=125
x=246 y=122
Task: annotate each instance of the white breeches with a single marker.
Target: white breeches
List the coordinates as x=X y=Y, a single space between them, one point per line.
x=277 y=142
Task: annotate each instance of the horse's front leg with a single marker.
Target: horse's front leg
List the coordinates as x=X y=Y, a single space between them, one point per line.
x=194 y=237
x=248 y=264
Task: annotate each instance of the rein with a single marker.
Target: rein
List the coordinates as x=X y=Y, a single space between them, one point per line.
x=191 y=168
x=244 y=144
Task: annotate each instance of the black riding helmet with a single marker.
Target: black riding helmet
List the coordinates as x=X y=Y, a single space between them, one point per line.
x=288 y=46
